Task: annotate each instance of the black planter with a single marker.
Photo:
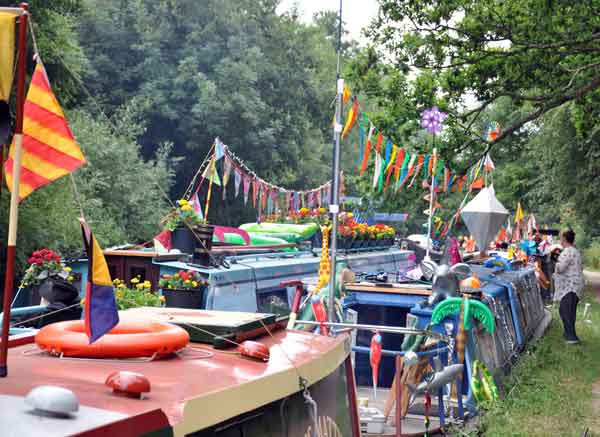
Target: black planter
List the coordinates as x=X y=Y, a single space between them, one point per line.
x=203 y=244
x=183 y=298
x=182 y=238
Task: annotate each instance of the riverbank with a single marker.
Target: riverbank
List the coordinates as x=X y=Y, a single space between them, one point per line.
x=550 y=391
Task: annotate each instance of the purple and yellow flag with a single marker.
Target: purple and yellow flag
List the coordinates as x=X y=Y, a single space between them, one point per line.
x=101 y=313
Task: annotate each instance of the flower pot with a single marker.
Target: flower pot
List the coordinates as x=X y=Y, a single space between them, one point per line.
x=183 y=240
x=203 y=244
x=184 y=298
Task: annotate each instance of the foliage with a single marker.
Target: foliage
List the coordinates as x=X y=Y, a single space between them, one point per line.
x=541 y=54
x=183 y=280
x=549 y=390
x=197 y=69
x=138 y=295
x=182 y=215
x=591 y=255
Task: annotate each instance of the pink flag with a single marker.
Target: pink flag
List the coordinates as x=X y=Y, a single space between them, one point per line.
x=195 y=202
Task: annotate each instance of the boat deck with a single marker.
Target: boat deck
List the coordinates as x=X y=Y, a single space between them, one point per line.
x=187 y=387
x=414 y=422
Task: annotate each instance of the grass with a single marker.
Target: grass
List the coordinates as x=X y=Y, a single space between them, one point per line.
x=549 y=390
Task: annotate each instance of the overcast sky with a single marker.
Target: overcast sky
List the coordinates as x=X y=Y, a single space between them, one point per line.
x=356 y=14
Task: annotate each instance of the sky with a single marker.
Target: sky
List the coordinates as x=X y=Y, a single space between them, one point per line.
x=356 y=14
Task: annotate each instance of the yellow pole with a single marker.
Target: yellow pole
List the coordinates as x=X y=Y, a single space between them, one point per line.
x=210 y=184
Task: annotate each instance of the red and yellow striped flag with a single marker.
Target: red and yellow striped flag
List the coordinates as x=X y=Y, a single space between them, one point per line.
x=49 y=148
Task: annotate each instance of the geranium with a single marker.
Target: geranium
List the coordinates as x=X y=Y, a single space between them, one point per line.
x=44 y=264
x=189 y=280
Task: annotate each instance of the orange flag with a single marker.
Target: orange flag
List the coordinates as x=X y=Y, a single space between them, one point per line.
x=352 y=114
x=49 y=148
x=365 y=161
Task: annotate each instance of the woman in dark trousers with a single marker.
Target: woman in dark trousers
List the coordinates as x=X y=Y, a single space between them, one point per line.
x=569 y=283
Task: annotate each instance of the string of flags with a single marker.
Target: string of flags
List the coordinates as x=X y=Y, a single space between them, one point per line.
x=397 y=167
x=261 y=194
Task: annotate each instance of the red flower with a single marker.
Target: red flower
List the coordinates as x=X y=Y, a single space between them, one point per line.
x=49 y=257
x=39 y=262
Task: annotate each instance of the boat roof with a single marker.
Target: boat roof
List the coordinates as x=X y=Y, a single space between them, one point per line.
x=186 y=388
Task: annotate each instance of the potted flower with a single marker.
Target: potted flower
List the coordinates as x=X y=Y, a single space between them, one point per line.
x=188 y=230
x=46 y=271
x=183 y=289
x=345 y=237
x=139 y=294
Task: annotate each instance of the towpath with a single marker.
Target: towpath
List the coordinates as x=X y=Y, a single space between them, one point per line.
x=593 y=280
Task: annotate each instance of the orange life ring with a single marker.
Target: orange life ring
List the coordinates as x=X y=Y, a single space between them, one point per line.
x=129 y=339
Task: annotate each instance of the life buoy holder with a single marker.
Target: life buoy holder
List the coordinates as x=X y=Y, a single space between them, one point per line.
x=483 y=386
x=129 y=339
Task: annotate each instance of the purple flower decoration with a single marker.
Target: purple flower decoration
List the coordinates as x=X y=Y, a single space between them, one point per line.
x=432 y=119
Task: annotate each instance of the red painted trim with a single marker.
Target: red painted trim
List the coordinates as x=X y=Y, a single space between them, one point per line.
x=145 y=423
x=398 y=376
x=354 y=419
x=8 y=295
x=21 y=339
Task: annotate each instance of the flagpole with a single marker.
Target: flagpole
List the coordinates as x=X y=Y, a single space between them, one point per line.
x=334 y=207
x=14 y=197
x=431 y=195
x=210 y=184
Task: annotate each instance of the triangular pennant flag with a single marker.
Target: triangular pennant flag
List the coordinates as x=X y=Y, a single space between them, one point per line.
x=196 y=206
x=426 y=167
x=214 y=176
x=410 y=169
x=345 y=94
x=377 y=172
x=488 y=164
x=400 y=159
x=237 y=179
x=254 y=192
x=49 y=148
x=246 y=182
x=219 y=149
x=100 y=313
x=388 y=151
x=390 y=165
x=352 y=114
x=379 y=142
x=519 y=216
x=367 y=154
x=226 y=172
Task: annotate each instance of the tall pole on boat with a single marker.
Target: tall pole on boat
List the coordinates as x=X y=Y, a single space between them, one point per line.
x=431 y=203
x=334 y=206
x=14 y=197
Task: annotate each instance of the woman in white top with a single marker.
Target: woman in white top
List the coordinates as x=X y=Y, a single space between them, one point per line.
x=569 y=284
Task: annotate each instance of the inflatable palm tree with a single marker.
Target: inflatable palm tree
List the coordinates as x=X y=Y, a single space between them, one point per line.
x=468 y=309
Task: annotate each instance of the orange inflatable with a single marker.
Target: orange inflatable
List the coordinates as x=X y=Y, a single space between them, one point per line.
x=472 y=282
x=129 y=339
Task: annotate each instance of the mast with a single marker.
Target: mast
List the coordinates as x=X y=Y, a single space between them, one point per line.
x=431 y=203
x=14 y=197
x=334 y=207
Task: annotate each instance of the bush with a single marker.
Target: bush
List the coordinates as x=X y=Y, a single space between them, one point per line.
x=591 y=255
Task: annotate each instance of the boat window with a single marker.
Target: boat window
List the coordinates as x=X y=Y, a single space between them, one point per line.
x=139 y=272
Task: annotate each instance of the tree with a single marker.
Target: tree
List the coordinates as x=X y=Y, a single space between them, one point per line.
x=539 y=53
